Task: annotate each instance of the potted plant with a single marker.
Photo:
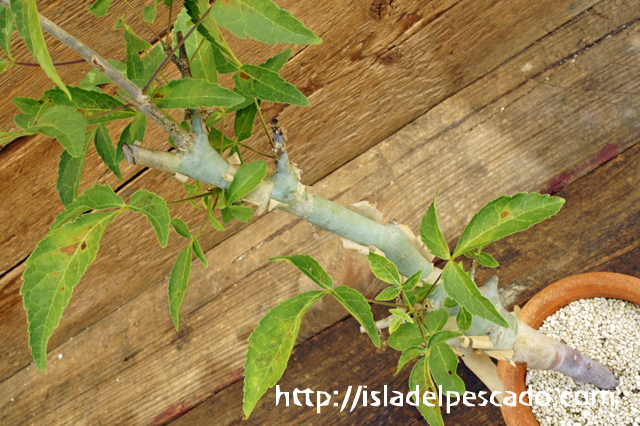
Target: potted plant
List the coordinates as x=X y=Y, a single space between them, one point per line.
x=436 y=315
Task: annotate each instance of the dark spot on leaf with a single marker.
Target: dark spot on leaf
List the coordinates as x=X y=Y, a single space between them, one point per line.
x=244 y=76
x=69 y=250
x=449 y=372
x=158 y=95
x=62 y=289
x=503 y=215
x=81 y=111
x=278 y=357
x=83 y=246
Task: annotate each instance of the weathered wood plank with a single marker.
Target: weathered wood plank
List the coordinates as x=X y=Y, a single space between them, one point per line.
x=137 y=343
x=368 y=79
x=584 y=237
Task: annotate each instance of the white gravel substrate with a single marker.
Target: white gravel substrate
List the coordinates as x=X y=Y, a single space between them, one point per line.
x=607 y=330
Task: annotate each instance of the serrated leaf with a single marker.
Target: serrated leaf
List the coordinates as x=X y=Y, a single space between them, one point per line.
x=106 y=150
x=406 y=336
x=308 y=266
x=261 y=20
x=134 y=42
x=70 y=173
x=135 y=67
x=505 y=216
x=178 y=282
x=242 y=213
x=214 y=139
x=383 y=269
x=275 y=63
x=485 y=259
x=357 y=305
x=100 y=7
x=27 y=105
x=132 y=133
x=119 y=23
x=243 y=122
x=442 y=336
x=94 y=77
x=208 y=26
x=212 y=219
x=202 y=60
x=449 y=303
x=40 y=51
x=270 y=346
x=420 y=378
x=155 y=209
x=149 y=13
x=197 y=249
x=436 y=320
x=408 y=355
x=246 y=179
x=23 y=120
x=463 y=290
x=412 y=281
x=443 y=363
x=402 y=314
x=431 y=235
x=394 y=324
x=90 y=103
x=262 y=83
x=6 y=30
x=464 y=319
x=53 y=270
x=20 y=11
x=66 y=125
x=191 y=93
x=98 y=197
x=180 y=227
x=389 y=293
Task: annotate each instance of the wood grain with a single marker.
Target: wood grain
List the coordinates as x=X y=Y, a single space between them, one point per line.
x=131 y=367
x=583 y=237
x=359 y=96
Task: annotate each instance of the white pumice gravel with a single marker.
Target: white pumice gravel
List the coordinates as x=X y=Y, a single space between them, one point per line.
x=607 y=330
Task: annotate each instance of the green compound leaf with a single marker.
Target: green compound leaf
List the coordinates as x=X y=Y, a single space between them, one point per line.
x=70 y=173
x=383 y=269
x=106 y=150
x=394 y=324
x=406 y=336
x=208 y=26
x=27 y=105
x=180 y=227
x=100 y=7
x=191 y=93
x=262 y=83
x=90 y=103
x=98 y=197
x=40 y=51
x=449 y=303
x=95 y=77
x=436 y=320
x=262 y=20
x=431 y=235
x=485 y=259
x=155 y=209
x=197 y=249
x=275 y=63
x=443 y=363
x=408 y=355
x=66 y=125
x=389 y=293
x=463 y=290
x=178 y=282
x=464 y=319
x=420 y=378
x=308 y=266
x=242 y=213
x=135 y=67
x=270 y=346
x=412 y=281
x=505 y=216
x=443 y=336
x=357 y=305
x=134 y=42
x=246 y=179
x=20 y=11
x=132 y=133
x=149 y=13
x=215 y=136
x=243 y=122
x=6 y=30
x=53 y=270
x=202 y=60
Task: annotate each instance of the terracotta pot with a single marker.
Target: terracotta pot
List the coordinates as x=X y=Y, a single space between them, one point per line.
x=544 y=304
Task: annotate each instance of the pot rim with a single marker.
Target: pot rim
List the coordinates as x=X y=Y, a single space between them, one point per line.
x=552 y=298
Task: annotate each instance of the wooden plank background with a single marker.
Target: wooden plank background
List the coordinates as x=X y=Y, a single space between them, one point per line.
x=474 y=98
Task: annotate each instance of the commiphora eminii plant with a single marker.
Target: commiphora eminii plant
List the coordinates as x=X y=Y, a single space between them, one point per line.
x=436 y=315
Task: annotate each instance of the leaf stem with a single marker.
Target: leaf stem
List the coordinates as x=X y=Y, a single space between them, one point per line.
x=196 y=51
x=222 y=131
x=127 y=105
x=166 y=40
x=378 y=302
x=175 y=49
x=155 y=34
x=264 y=123
x=195 y=197
x=57 y=64
x=255 y=150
